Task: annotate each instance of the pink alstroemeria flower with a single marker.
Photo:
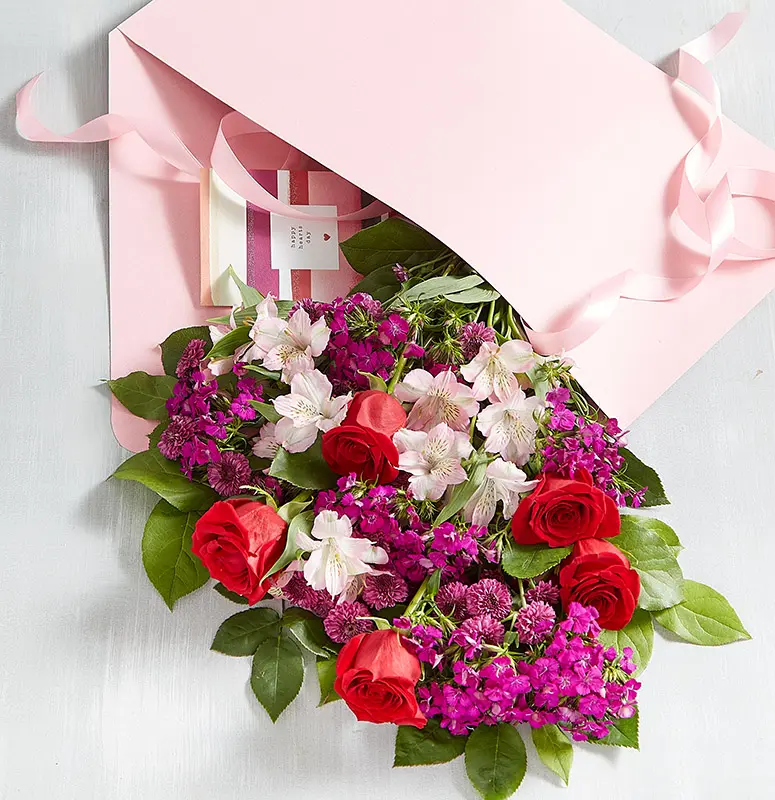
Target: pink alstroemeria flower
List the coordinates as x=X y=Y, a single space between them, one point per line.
x=510 y=426
x=495 y=368
x=436 y=399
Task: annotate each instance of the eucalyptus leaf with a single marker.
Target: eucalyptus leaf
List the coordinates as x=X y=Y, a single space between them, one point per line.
x=624 y=733
x=429 y=745
x=496 y=760
x=393 y=241
x=554 y=749
x=143 y=394
x=443 y=285
x=641 y=475
x=530 y=560
x=309 y=632
x=637 y=634
x=250 y=296
x=704 y=617
x=661 y=579
x=241 y=634
x=169 y=563
x=164 y=477
x=462 y=493
x=173 y=346
x=326 y=668
x=277 y=674
x=307 y=470
x=225 y=346
x=473 y=296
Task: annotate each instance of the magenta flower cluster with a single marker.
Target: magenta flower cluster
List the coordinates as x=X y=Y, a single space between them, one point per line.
x=575 y=443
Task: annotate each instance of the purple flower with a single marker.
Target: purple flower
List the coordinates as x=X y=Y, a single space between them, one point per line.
x=488 y=596
x=400 y=272
x=384 y=590
x=451 y=599
x=180 y=431
x=534 y=622
x=545 y=591
x=229 y=473
x=342 y=622
x=472 y=336
x=476 y=632
x=393 y=330
x=413 y=350
x=191 y=358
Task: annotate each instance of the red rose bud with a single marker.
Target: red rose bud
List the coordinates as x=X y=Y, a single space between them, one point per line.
x=599 y=574
x=376 y=676
x=376 y=410
x=561 y=511
x=238 y=541
x=371 y=455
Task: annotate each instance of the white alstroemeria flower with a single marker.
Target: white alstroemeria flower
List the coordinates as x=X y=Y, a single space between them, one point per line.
x=503 y=483
x=336 y=559
x=432 y=459
x=493 y=370
x=291 y=346
x=436 y=399
x=267 y=444
x=222 y=366
x=510 y=426
x=308 y=408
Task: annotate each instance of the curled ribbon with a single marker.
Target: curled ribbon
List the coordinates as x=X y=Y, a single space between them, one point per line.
x=169 y=146
x=711 y=219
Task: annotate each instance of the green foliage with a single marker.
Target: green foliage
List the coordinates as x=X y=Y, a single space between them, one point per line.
x=307 y=470
x=375 y=382
x=430 y=745
x=530 y=560
x=496 y=761
x=173 y=346
x=230 y=341
x=229 y=595
x=633 y=523
x=143 y=394
x=309 y=632
x=249 y=295
x=381 y=284
x=267 y=411
x=704 y=617
x=637 y=634
x=300 y=522
x=169 y=563
x=441 y=287
x=660 y=575
x=277 y=673
x=462 y=493
x=164 y=477
x=554 y=749
x=470 y=297
x=391 y=242
x=241 y=634
x=326 y=668
x=624 y=733
x=640 y=475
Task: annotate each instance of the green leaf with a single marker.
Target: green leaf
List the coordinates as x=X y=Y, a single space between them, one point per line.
x=155 y=435
x=241 y=634
x=277 y=674
x=704 y=617
x=624 y=733
x=326 y=668
x=263 y=373
x=375 y=382
x=164 y=477
x=309 y=632
x=443 y=285
x=307 y=470
x=632 y=522
x=530 y=560
x=169 y=563
x=250 y=296
x=267 y=411
x=229 y=595
x=661 y=579
x=294 y=507
x=300 y=522
x=381 y=284
x=554 y=749
x=230 y=341
x=173 y=346
x=462 y=493
x=496 y=761
x=143 y=394
x=473 y=296
x=393 y=241
x=429 y=745
x=637 y=634
x=641 y=475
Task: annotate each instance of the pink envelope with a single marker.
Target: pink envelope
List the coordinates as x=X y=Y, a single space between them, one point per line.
x=526 y=139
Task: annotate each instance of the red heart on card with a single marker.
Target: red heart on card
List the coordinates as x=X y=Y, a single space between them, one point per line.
x=326 y=237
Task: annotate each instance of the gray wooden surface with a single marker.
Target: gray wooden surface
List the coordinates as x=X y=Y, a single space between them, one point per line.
x=104 y=694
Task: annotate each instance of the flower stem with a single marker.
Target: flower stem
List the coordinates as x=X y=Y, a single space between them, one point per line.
x=414 y=603
x=398 y=372
x=521 y=592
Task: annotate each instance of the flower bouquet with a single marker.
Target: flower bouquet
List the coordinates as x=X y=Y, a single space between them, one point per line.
x=396 y=483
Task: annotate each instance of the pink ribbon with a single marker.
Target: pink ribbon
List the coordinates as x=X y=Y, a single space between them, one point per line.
x=712 y=219
x=169 y=146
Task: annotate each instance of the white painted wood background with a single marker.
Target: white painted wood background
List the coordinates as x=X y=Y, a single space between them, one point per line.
x=104 y=694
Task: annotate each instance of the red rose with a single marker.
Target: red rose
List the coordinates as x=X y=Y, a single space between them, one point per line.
x=562 y=511
x=599 y=574
x=376 y=410
x=238 y=541
x=376 y=676
x=372 y=456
